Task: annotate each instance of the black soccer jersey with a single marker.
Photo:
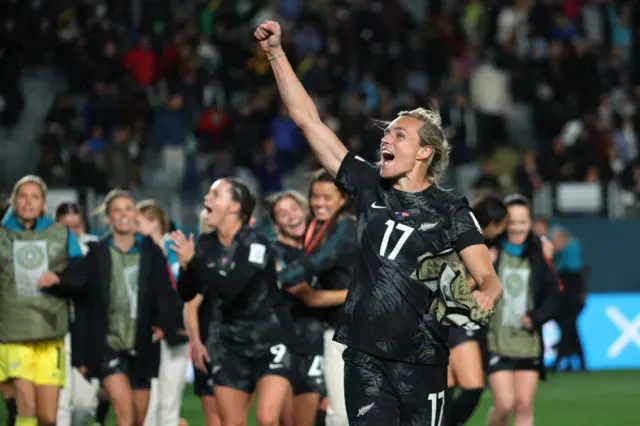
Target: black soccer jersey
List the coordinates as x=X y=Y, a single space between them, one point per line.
x=209 y=321
x=386 y=312
x=243 y=277
x=331 y=263
x=307 y=322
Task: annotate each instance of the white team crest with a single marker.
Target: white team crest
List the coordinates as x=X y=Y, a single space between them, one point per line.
x=426 y=226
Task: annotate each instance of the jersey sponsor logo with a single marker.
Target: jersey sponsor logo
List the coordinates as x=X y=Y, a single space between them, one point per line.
x=257 y=253
x=364 y=410
x=426 y=226
x=377 y=206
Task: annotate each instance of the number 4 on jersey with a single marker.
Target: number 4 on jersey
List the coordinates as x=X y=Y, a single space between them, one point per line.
x=406 y=231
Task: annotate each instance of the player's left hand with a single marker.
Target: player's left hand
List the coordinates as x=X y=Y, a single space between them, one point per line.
x=185 y=248
x=526 y=322
x=48 y=279
x=484 y=300
x=158 y=334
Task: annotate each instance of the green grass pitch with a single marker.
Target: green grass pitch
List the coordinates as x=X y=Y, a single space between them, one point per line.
x=610 y=398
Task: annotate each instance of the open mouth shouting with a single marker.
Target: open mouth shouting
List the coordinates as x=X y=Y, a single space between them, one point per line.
x=387 y=157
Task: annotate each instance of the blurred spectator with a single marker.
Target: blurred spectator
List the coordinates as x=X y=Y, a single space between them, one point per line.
x=286 y=137
x=102 y=106
x=488 y=182
x=172 y=128
x=541 y=226
x=568 y=261
x=212 y=126
x=543 y=92
x=118 y=161
x=528 y=179
x=11 y=61
x=142 y=62
x=85 y=169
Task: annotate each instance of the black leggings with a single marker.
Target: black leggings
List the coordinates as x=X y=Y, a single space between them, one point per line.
x=570 y=343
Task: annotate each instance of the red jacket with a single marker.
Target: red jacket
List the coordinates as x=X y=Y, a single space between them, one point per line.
x=143 y=65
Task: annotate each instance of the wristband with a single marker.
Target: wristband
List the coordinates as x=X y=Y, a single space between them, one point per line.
x=271 y=58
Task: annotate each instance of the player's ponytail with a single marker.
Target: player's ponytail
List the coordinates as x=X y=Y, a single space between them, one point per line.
x=243 y=196
x=154 y=211
x=432 y=134
x=489 y=209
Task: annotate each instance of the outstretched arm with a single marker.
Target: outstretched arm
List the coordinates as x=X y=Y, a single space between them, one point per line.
x=317 y=298
x=324 y=143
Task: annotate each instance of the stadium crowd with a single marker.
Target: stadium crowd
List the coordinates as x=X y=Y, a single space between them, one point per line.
x=515 y=82
x=529 y=92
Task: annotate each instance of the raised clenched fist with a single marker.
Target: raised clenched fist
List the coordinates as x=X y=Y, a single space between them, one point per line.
x=268 y=35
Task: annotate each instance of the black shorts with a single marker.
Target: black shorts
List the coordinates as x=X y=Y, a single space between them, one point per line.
x=459 y=335
x=392 y=393
x=239 y=372
x=502 y=363
x=203 y=382
x=307 y=374
x=124 y=362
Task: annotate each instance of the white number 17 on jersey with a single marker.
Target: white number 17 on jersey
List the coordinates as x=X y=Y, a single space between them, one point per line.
x=406 y=231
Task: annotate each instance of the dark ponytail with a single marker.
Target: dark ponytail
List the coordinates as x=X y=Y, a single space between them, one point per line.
x=244 y=196
x=489 y=209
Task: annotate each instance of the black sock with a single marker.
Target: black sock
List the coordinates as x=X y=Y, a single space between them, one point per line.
x=102 y=411
x=464 y=405
x=448 y=397
x=12 y=410
x=320 y=416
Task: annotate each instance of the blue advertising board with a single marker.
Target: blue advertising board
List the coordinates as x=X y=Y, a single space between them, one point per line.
x=609 y=328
